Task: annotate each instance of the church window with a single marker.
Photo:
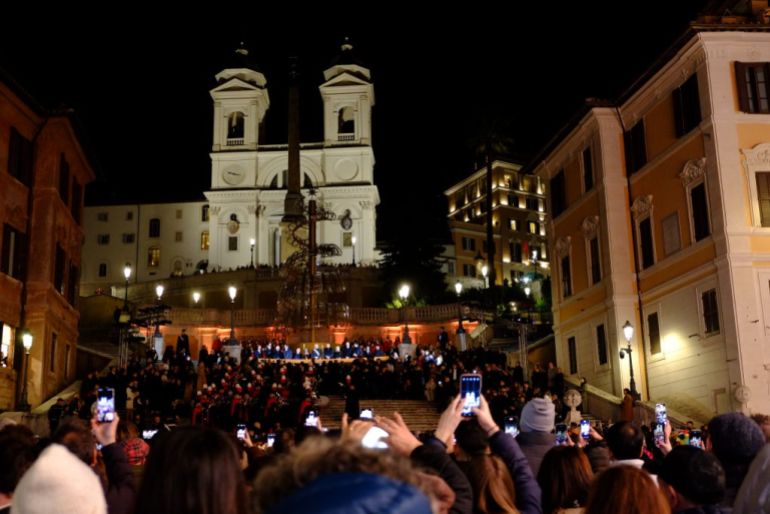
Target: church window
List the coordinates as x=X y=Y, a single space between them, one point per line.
x=346 y=122
x=235 y=128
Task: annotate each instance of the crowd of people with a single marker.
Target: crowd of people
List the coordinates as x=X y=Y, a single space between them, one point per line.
x=220 y=436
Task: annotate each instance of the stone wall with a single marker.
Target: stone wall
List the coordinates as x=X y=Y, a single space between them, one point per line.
x=7 y=388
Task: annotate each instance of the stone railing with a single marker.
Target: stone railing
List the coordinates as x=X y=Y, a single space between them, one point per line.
x=598 y=402
x=234 y=141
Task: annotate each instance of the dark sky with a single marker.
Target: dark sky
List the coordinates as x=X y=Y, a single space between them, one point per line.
x=140 y=80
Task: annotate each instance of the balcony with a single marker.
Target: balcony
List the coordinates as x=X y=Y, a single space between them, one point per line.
x=235 y=141
x=346 y=137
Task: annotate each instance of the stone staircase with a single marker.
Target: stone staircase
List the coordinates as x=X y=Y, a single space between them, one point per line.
x=419 y=415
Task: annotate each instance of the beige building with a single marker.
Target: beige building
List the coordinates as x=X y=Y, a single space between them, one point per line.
x=661 y=217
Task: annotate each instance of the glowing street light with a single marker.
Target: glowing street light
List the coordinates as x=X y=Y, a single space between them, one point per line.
x=26 y=341
x=159 y=291
x=403 y=292
x=353 y=240
x=232 y=292
x=252 y=243
x=459 y=290
x=196 y=297
x=628 y=333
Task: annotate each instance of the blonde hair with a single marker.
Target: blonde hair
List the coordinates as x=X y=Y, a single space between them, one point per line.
x=493 y=489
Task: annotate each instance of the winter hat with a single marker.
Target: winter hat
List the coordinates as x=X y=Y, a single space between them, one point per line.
x=735 y=438
x=59 y=482
x=538 y=416
x=695 y=474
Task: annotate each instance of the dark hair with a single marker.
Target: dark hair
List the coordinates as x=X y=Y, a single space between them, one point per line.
x=625 y=441
x=76 y=436
x=471 y=437
x=626 y=489
x=492 y=484
x=695 y=474
x=193 y=470
x=17 y=453
x=565 y=477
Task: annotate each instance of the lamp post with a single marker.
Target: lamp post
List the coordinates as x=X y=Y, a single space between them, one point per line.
x=353 y=240
x=484 y=273
x=252 y=243
x=232 y=292
x=123 y=322
x=127 y=274
x=196 y=296
x=26 y=341
x=403 y=292
x=461 y=336
x=628 y=333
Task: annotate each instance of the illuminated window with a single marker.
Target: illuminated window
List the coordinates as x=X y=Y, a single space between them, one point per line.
x=205 y=240
x=153 y=257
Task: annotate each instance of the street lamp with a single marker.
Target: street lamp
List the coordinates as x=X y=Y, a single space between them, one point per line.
x=159 y=291
x=196 y=297
x=403 y=292
x=628 y=333
x=26 y=341
x=127 y=274
x=353 y=240
x=232 y=292
x=461 y=336
x=253 y=243
x=157 y=336
x=484 y=273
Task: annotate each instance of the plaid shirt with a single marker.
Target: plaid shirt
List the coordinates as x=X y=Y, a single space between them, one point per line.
x=136 y=451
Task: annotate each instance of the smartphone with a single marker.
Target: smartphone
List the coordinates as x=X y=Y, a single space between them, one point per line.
x=105 y=405
x=660 y=413
x=696 y=438
x=470 y=391
x=367 y=414
x=312 y=419
x=561 y=434
x=659 y=433
x=149 y=434
x=512 y=426
x=585 y=429
x=270 y=440
x=240 y=432
x=439 y=360
x=375 y=439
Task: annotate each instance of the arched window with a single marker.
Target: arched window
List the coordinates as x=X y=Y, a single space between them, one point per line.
x=346 y=123
x=308 y=182
x=235 y=127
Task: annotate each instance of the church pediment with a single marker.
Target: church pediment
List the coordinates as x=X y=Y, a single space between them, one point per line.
x=235 y=84
x=346 y=79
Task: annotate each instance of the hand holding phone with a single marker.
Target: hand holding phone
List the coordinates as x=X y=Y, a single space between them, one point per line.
x=105 y=405
x=241 y=432
x=470 y=391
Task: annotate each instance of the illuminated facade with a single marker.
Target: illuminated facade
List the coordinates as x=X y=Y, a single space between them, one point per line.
x=43 y=173
x=248 y=186
x=519 y=219
x=660 y=208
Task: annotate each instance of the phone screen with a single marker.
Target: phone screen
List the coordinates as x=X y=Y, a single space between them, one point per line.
x=696 y=438
x=105 y=405
x=367 y=414
x=511 y=426
x=375 y=439
x=470 y=391
x=149 y=434
x=660 y=413
x=561 y=434
x=585 y=429
x=241 y=432
x=270 y=440
x=659 y=433
x=312 y=419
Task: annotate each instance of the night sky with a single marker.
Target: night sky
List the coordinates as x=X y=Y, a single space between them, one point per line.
x=139 y=81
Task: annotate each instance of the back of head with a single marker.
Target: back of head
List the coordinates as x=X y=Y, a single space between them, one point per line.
x=319 y=457
x=565 y=477
x=695 y=474
x=193 y=470
x=76 y=436
x=625 y=440
x=471 y=438
x=538 y=415
x=493 y=488
x=17 y=453
x=735 y=438
x=628 y=490
x=59 y=482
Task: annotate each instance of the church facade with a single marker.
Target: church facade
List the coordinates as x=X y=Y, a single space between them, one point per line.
x=239 y=224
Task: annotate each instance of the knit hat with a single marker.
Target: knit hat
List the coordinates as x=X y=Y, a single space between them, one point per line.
x=538 y=416
x=59 y=482
x=695 y=474
x=735 y=438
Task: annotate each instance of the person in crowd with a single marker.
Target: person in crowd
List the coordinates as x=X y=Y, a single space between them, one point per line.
x=628 y=490
x=55 y=414
x=59 y=481
x=499 y=472
x=693 y=481
x=135 y=448
x=536 y=425
x=193 y=470
x=626 y=443
x=754 y=494
x=183 y=343
x=627 y=406
x=735 y=439
x=763 y=420
x=17 y=453
x=565 y=478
